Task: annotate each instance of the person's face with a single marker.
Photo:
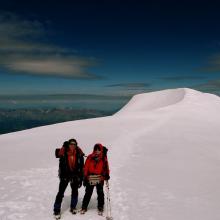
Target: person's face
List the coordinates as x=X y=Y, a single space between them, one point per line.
x=97 y=151
x=72 y=145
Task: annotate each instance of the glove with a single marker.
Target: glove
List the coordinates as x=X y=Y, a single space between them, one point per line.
x=85 y=182
x=107 y=177
x=79 y=182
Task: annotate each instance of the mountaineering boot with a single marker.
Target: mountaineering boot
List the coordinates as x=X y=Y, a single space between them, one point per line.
x=57 y=214
x=73 y=211
x=83 y=211
x=100 y=211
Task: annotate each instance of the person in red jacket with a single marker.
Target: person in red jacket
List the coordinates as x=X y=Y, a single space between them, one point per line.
x=96 y=170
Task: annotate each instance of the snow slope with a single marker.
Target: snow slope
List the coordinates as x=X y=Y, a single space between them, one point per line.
x=164 y=154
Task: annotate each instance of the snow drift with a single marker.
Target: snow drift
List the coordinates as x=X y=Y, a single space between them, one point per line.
x=164 y=155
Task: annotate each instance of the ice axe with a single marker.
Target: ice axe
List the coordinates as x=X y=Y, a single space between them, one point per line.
x=108 y=203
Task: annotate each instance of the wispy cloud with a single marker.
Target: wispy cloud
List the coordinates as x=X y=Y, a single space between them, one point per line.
x=212 y=86
x=181 y=78
x=213 y=65
x=23 y=49
x=131 y=86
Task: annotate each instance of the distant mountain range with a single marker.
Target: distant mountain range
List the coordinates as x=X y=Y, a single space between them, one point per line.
x=19 y=112
x=79 y=101
x=19 y=119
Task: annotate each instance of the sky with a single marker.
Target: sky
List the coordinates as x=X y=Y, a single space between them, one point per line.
x=108 y=47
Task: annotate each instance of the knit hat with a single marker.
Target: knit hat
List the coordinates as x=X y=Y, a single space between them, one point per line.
x=72 y=140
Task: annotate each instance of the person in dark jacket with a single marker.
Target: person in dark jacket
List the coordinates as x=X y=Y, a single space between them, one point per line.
x=96 y=170
x=70 y=171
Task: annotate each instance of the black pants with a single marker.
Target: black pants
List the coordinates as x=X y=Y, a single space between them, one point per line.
x=88 y=194
x=60 y=194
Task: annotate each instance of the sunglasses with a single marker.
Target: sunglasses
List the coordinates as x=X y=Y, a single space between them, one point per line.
x=73 y=144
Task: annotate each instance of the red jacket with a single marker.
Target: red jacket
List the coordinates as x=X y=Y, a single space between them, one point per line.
x=97 y=165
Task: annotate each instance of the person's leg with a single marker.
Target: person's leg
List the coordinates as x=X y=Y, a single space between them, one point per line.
x=74 y=195
x=101 y=199
x=87 y=196
x=62 y=187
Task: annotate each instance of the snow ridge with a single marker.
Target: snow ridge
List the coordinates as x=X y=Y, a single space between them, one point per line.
x=164 y=158
x=154 y=100
x=145 y=102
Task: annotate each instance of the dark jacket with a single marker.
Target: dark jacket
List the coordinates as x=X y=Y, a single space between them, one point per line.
x=64 y=169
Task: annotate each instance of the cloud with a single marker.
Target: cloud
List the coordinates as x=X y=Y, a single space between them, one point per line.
x=14 y=27
x=180 y=78
x=212 y=86
x=49 y=65
x=213 y=65
x=23 y=49
x=131 y=86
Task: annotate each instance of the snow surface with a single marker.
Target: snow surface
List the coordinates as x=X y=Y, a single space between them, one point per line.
x=164 y=155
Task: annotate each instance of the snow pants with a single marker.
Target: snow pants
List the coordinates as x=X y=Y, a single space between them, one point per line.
x=62 y=187
x=88 y=194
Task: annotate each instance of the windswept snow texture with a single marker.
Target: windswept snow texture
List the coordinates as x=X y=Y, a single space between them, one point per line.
x=164 y=155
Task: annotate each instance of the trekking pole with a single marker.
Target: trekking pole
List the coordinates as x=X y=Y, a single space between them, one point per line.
x=108 y=204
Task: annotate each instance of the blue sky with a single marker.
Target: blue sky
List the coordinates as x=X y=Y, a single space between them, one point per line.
x=108 y=47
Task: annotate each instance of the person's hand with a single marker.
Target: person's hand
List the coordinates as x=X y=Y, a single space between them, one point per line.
x=85 y=182
x=107 y=177
x=79 y=180
x=79 y=184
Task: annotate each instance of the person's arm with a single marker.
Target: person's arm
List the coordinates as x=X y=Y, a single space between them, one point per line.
x=86 y=168
x=81 y=174
x=86 y=171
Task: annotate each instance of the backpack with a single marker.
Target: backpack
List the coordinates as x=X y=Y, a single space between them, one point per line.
x=105 y=158
x=105 y=150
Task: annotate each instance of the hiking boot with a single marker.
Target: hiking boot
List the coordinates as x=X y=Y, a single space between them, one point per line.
x=100 y=210
x=73 y=211
x=83 y=211
x=57 y=214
